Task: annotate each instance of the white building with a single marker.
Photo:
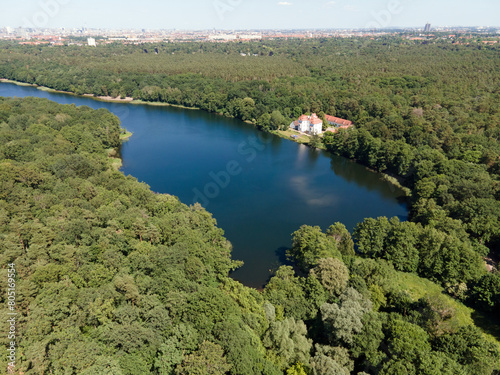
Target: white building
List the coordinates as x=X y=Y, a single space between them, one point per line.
x=91 y=42
x=308 y=124
x=225 y=37
x=249 y=36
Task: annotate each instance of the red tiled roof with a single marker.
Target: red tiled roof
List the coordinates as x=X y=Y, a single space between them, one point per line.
x=337 y=120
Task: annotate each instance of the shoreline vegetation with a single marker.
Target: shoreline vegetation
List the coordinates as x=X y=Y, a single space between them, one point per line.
x=109 y=99
x=285 y=134
x=125 y=136
x=116 y=161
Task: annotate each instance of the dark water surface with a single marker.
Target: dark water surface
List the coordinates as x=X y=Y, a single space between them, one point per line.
x=259 y=187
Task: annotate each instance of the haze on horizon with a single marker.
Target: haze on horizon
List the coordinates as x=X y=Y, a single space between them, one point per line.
x=249 y=14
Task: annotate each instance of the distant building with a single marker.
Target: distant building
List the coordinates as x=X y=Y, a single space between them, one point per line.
x=314 y=125
x=427 y=27
x=308 y=124
x=91 y=42
x=224 y=37
x=249 y=36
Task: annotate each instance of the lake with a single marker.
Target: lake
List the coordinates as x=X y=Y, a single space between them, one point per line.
x=259 y=187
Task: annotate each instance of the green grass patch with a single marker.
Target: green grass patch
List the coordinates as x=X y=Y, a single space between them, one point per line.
x=418 y=287
x=160 y=104
x=125 y=136
x=16 y=83
x=301 y=138
x=48 y=89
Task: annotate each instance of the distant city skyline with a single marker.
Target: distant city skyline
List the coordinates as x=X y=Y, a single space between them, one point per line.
x=249 y=14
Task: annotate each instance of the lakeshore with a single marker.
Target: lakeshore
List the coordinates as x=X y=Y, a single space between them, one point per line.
x=287 y=134
x=181 y=153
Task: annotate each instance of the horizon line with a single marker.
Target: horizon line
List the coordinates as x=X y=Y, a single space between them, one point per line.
x=256 y=29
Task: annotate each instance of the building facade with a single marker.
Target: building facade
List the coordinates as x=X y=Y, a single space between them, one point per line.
x=308 y=124
x=338 y=122
x=314 y=125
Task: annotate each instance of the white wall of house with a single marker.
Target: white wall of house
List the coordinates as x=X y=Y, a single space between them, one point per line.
x=316 y=129
x=304 y=126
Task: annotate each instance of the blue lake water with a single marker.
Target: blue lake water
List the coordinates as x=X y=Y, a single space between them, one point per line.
x=260 y=188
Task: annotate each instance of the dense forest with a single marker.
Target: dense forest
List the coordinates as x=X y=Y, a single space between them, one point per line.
x=116 y=279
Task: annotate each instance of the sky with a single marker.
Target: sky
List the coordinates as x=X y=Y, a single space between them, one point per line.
x=248 y=14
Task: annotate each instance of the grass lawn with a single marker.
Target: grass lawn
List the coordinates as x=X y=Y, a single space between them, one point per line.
x=125 y=136
x=160 y=104
x=288 y=135
x=418 y=287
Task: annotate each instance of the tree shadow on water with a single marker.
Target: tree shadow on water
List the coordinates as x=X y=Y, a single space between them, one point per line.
x=282 y=261
x=281 y=254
